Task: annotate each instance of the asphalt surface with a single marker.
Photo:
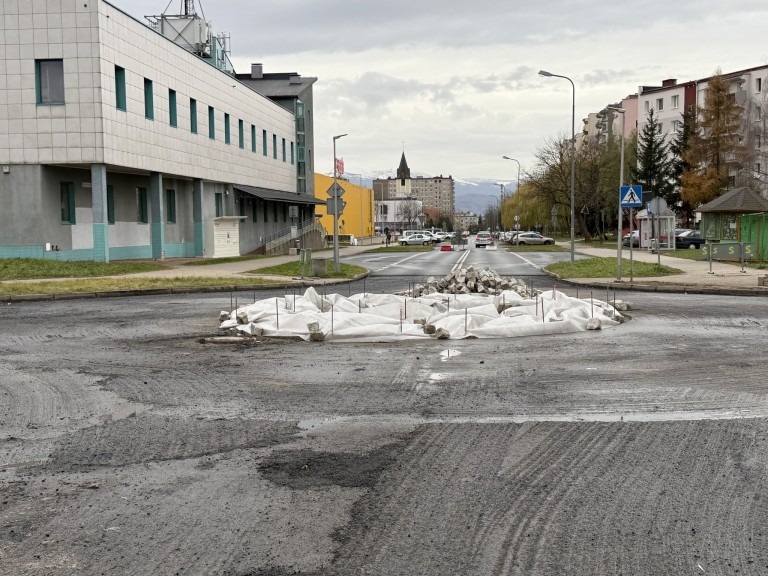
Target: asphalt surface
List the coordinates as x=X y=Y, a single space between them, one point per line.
x=128 y=447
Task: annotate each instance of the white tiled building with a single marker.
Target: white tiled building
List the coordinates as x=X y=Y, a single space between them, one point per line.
x=117 y=143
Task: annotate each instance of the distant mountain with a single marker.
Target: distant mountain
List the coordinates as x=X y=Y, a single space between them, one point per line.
x=472 y=194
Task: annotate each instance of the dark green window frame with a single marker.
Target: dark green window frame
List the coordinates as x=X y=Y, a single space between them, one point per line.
x=193 y=115
x=264 y=142
x=293 y=156
x=255 y=211
x=170 y=205
x=142 y=216
x=241 y=133
x=274 y=146
x=172 y=113
x=284 y=156
x=226 y=129
x=120 y=97
x=253 y=138
x=219 y=199
x=149 y=100
x=211 y=123
x=110 y=204
x=266 y=210
x=67 y=195
x=274 y=211
x=242 y=202
x=49 y=81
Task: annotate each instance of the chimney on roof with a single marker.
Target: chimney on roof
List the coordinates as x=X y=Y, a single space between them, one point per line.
x=668 y=83
x=257 y=71
x=294 y=79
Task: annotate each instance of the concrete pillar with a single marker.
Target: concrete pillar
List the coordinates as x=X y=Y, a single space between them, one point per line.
x=157 y=230
x=100 y=215
x=197 y=214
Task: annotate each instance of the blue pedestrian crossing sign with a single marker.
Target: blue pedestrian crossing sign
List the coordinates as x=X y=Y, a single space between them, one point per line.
x=631 y=196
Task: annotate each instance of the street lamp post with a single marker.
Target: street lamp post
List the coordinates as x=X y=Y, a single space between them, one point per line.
x=621 y=183
x=518 y=171
x=573 y=156
x=335 y=210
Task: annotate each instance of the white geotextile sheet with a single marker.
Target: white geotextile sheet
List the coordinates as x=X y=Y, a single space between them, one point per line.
x=389 y=317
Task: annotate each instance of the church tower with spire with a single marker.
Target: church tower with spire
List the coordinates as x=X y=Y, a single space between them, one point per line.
x=403 y=186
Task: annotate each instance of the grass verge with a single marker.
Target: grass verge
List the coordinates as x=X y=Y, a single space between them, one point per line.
x=606 y=268
x=117 y=284
x=293 y=270
x=537 y=248
x=210 y=261
x=401 y=249
x=30 y=268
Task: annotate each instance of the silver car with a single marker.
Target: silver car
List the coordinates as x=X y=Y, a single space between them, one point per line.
x=415 y=240
x=524 y=238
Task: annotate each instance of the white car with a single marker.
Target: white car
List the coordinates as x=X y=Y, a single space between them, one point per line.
x=483 y=239
x=415 y=240
x=531 y=238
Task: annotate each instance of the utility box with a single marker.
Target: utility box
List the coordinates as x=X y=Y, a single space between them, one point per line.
x=320 y=267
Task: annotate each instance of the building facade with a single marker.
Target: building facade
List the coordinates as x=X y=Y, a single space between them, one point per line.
x=436 y=192
x=465 y=221
x=358 y=215
x=117 y=143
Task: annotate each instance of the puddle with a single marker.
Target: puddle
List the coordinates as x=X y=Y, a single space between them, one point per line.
x=448 y=354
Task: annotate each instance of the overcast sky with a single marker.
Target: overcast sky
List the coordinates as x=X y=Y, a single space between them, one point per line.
x=455 y=81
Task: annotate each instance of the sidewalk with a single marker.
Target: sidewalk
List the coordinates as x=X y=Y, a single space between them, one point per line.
x=724 y=278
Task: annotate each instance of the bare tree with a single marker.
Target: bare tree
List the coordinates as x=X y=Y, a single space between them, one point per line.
x=409 y=212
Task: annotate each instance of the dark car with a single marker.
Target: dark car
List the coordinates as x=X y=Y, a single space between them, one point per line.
x=689 y=239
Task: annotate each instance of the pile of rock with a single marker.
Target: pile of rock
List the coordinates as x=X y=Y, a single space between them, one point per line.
x=473 y=281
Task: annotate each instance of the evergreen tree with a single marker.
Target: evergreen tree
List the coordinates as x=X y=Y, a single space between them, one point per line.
x=678 y=149
x=713 y=143
x=654 y=168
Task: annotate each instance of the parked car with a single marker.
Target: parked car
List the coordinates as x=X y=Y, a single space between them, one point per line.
x=635 y=239
x=689 y=239
x=483 y=239
x=415 y=240
x=524 y=238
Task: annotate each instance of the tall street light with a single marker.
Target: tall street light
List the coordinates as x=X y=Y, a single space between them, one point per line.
x=518 y=171
x=573 y=155
x=335 y=210
x=621 y=183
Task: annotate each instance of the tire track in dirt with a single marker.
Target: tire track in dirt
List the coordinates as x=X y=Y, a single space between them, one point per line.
x=567 y=498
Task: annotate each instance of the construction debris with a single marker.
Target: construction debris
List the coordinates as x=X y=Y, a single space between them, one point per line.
x=464 y=304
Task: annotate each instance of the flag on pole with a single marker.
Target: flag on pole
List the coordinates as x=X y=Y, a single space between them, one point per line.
x=339 y=166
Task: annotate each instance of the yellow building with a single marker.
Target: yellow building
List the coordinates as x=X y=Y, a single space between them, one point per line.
x=357 y=218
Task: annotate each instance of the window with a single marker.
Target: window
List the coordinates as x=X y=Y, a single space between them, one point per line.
x=264 y=142
x=226 y=129
x=173 y=118
x=285 y=213
x=253 y=138
x=170 y=206
x=266 y=219
x=120 y=99
x=647 y=106
x=274 y=146
x=49 y=81
x=274 y=211
x=219 y=204
x=211 y=123
x=676 y=124
x=142 y=213
x=757 y=168
x=149 y=105
x=67 y=193
x=292 y=155
x=758 y=85
x=659 y=104
x=675 y=101
x=193 y=115
x=241 y=133
x=255 y=211
x=242 y=201
x=284 y=157
x=110 y=204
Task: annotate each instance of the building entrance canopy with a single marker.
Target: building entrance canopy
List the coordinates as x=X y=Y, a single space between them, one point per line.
x=277 y=195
